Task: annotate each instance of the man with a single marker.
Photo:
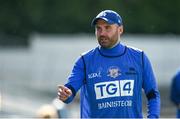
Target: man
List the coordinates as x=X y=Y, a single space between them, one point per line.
x=112 y=75
x=175 y=92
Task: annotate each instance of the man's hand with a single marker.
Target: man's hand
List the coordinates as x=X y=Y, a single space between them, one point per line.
x=63 y=92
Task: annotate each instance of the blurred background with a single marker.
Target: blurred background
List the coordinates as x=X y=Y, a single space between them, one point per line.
x=41 y=39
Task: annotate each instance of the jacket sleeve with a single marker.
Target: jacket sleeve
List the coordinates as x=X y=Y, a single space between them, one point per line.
x=175 y=89
x=151 y=89
x=76 y=78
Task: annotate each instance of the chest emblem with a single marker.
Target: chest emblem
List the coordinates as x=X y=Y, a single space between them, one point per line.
x=113 y=71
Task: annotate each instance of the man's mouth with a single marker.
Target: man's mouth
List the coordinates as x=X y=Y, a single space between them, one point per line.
x=102 y=39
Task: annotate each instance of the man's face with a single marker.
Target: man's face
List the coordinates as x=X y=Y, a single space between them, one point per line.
x=107 y=34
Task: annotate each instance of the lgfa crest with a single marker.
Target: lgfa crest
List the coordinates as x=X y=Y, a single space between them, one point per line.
x=114 y=71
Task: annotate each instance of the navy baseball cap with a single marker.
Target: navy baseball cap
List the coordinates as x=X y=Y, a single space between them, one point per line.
x=110 y=16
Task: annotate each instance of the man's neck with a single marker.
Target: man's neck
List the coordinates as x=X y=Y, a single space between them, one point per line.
x=117 y=50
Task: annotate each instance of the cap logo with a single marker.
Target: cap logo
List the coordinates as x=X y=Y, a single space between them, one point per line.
x=101 y=14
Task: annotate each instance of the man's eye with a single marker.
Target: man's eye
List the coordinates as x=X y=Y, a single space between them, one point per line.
x=98 y=28
x=107 y=27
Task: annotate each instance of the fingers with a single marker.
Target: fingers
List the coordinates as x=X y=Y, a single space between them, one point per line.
x=64 y=92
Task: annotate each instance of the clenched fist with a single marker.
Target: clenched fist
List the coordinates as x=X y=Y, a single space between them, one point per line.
x=63 y=92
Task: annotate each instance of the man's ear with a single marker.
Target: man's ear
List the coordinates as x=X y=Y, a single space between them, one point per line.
x=120 y=29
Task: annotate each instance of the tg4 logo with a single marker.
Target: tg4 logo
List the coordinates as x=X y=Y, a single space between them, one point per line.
x=114 y=89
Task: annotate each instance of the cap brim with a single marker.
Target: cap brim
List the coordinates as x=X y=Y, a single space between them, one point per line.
x=94 y=21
